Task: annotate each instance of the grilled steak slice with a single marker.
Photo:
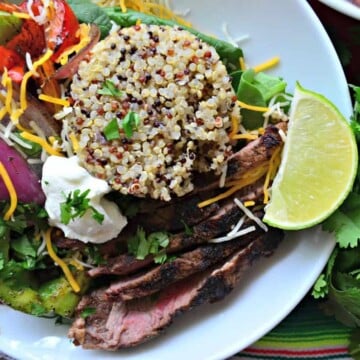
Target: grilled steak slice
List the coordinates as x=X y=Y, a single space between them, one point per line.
x=173 y=216
x=256 y=154
x=119 y=324
x=183 y=266
x=215 y=226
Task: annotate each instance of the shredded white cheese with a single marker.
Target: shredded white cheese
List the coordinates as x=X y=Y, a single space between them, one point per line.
x=250 y=215
x=233 y=236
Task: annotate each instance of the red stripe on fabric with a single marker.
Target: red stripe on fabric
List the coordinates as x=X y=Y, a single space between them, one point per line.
x=299 y=352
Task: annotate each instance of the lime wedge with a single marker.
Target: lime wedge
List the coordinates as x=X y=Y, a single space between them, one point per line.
x=318 y=165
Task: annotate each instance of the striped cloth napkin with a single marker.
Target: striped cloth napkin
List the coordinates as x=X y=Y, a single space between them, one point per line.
x=307 y=333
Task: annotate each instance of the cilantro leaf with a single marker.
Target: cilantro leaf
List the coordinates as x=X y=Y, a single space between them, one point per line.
x=155 y=243
x=111 y=130
x=320 y=288
x=345 y=222
x=130 y=122
x=109 y=88
x=23 y=246
x=76 y=205
x=87 y=312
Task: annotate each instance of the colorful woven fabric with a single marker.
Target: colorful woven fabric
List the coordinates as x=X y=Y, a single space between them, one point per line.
x=305 y=334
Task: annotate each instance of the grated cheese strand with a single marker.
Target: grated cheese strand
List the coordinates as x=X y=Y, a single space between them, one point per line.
x=233 y=236
x=270 y=173
x=123 y=6
x=242 y=64
x=24 y=81
x=11 y=190
x=267 y=64
x=246 y=136
x=7 y=83
x=68 y=274
x=234 y=127
x=250 y=215
x=21 y=15
x=253 y=107
x=74 y=142
x=249 y=203
x=42 y=142
x=83 y=34
x=54 y=100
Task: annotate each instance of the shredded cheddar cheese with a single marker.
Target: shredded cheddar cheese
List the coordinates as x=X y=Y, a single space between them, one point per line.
x=54 y=100
x=238 y=184
x=74 y=142
x=42 y=142
x=234 y=127
x=267 y=64
x=123 y=6
x=273 y=166
x=23 y=86
x=11 y=190
x=83 y=35
x=246 y=136
x=21 y=15
x=7 y=83
x=253 y=107
x=242 y=64
x=249 y=203
x=68 y=274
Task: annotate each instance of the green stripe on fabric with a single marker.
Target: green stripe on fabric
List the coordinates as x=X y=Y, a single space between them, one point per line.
x=245 y=356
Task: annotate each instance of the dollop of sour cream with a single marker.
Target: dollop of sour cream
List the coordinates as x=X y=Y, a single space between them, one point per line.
x=64 y=175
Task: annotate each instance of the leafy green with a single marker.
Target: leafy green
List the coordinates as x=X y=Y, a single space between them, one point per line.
x=76 y=204
x=345 y=222
x=94 y=255
x=109 y=88
x=257 y=89
x=130 y=122
x=155 y=244
x=111 y=130
x=87 y=312
x=228 y=53
x=89 y=13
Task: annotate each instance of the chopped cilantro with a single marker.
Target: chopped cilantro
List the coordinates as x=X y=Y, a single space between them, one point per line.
x=111 y=130
x=109 y=88
x=187 y=229
x=155 y=244
x=130 y=122
x=87 y=312
x=2 y=260
x=320 y=289
x=76 y=205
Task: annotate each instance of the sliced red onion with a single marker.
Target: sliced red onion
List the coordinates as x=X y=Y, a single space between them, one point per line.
x=26 y=183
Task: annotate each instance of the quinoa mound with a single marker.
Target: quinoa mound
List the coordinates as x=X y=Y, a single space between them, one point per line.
x=183 y=96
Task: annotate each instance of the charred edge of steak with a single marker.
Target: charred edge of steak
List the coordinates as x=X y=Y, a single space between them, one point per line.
x=215 y=226
x=172 y=217
x=185 y=265
x=256 y=153
x=124 y=324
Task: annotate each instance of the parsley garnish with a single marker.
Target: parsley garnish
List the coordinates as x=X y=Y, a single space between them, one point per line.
x=155 y=243
x=109 y=88
x=111 y=130
x=131 y=121
x=76 y=205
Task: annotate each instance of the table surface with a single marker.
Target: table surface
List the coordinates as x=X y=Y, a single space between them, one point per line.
x=307 y=332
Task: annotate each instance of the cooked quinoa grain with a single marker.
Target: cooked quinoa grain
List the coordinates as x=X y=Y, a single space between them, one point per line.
x=183 y=96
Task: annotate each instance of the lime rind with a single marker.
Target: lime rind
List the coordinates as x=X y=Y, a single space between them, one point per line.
x=279 y=207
